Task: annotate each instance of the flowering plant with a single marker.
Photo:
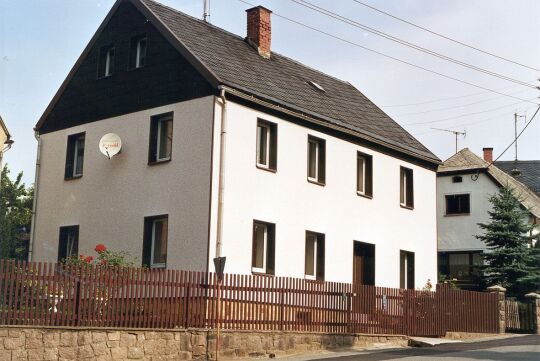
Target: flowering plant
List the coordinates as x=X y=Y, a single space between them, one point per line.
x=105 y=257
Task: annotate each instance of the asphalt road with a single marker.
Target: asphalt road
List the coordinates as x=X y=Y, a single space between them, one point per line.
x=513 y=349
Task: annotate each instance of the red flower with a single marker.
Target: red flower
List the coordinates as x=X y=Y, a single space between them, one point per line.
x=89 y=259
x=81 y=256
x=103 y=262
x=100 y=248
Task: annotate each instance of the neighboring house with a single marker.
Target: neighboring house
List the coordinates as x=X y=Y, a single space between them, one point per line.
x=229 y=149
x=464 y=185
x=5 y=141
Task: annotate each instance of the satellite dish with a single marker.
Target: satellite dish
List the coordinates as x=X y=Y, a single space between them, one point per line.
x=110 y=145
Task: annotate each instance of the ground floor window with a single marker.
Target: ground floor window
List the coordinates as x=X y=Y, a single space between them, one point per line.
x=314 y=258
x=463 y=267
x=68 y=244
x=406 y=270
x=155 y=241
x=263 y=247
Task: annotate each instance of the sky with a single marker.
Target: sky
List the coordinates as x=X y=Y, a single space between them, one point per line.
x=40 y=40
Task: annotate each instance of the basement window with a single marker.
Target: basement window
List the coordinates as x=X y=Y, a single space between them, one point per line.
x=317 y=86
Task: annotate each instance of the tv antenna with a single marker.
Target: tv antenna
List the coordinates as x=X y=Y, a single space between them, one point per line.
x=456 y=134
x=206 y=13
x=516 y=117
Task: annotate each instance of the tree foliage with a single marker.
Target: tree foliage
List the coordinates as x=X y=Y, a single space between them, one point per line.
x=512 y=261
x=15 y=215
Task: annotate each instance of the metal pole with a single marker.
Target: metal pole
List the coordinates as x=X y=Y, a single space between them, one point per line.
x=206 y=14
x=218 y=317
x=515 y=135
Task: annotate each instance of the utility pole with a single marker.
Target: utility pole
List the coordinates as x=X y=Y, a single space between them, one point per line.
x=456 y=134
x=516 y=117
x=206 y=13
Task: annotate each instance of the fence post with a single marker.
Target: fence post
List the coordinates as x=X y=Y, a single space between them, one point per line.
x=281 y=309
x=501 y=306
x=534 y=300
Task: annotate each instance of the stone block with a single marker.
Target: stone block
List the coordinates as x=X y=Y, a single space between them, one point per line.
x=128 y=339
x=113 y=336
x=100 y=348
x=50 y=354
x=113 y=344
x=84 y=338
x=68 y=339
x=85 y=351
x=19 y=355
x=15 y=333
x=13 y=343
x=99 y=336
x=68 y=353
x=4 y=333
x=36 y=354
x=119 y=353
x=104 y=358
x=51 y=339
x=5 y=356
x=34 y=340
x=135 y=353
x=150 y=335
x=166 y=335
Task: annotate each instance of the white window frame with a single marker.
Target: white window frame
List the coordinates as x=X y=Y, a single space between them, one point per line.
x=317 y=150
x=265 y=249
x=76 y=156
x=268 y=145
x=158 y=144
x=153 y=244
x=363 y=191
x=138 y=56
x=315 y=239
x=108 y=62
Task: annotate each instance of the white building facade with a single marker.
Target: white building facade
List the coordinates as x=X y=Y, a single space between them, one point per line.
x=276 y=191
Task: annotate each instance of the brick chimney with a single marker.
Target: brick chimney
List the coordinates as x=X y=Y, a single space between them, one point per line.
x=488 y=154
x=259 y=30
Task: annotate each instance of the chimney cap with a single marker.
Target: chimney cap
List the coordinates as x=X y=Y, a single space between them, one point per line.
x=487 y=148
x=258 y=7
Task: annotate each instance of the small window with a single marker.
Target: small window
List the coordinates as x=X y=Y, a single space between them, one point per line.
x=155 y=241
x=406 y=267
x=457 y=179
x=263 y=248
x=137 y=52
x=106 y=61
x=314 y=262
x=68 y=244
x=458 y=204
x=266 y=145
x=364 y=172
x=406 y=188
x=161 y=133
x=74 y=156
x=316 y=160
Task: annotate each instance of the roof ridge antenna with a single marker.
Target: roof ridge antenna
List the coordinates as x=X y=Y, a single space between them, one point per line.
x=206 y=11
x=456 y=134
x=516 y=117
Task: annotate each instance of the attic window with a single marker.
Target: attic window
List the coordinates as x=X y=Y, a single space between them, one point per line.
x=457 y=179
x=316 y=86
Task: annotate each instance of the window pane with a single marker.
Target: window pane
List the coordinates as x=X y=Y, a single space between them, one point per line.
x=79 y=156
x=360 y=179
x=165 y=139
x=141 y=52
x=70 y=246
x=260 y=235
x=160 y=242
x=312 y=172
x=310 y=255
x=262 y=148
x=402 y=186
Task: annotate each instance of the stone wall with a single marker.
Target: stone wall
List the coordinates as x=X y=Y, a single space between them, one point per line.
x=52 y=343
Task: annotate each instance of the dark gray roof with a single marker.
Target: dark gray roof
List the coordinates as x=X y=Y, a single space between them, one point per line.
x=285 y=81
x=529 y=172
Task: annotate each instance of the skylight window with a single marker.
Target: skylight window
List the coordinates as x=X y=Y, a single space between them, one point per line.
x=316 y=86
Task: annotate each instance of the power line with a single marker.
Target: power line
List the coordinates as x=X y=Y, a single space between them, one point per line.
x=444 y=36
x=392 y=57
x=462 y=115
x=406 y=43
x=450 y=98
x=516 y=138
x=447 y=108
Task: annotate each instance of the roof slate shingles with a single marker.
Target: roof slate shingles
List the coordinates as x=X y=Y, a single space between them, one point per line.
x=284 y=80
x=529 y=172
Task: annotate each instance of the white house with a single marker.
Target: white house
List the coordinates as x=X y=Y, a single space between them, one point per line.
x=465 y=183
x=229 y=149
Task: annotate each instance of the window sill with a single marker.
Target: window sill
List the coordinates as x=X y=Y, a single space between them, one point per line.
x=457 y=214
x=135 y=68
x=313 y=181
x=73 y=177
x=262 y=274
x=364 y=195
x=156 y=162
x=406 y=207
x=261 y=167
x=104 y=77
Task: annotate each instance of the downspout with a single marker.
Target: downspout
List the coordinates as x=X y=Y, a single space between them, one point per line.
x=34 y=213
x=221 y=191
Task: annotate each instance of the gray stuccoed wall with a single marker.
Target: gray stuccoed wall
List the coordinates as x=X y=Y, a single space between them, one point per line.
x=52 y=343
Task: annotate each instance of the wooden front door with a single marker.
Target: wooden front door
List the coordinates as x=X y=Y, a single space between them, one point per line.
x=363 y=277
